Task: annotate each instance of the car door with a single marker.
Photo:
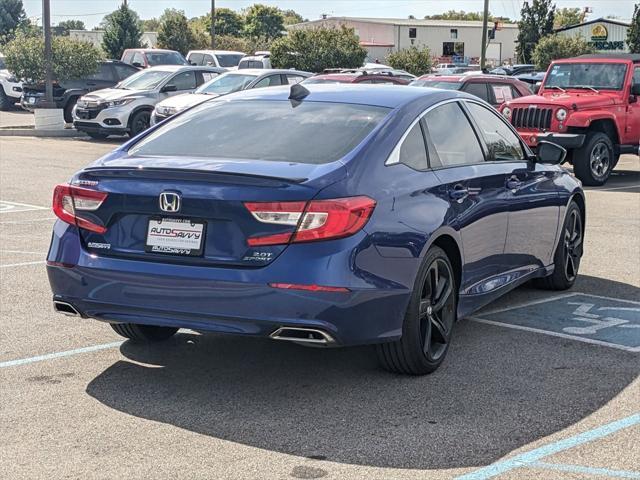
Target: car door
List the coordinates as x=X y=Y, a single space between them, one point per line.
x=530 y=192
x=183 y=81
x=103 y=78
x=633 y=113
x=269 y=81
x=474 y=189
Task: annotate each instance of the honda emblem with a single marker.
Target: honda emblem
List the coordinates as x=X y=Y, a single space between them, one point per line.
x=169 y=202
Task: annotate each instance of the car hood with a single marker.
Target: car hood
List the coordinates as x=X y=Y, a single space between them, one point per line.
x=569 y=99
x=109 y=94
x=186 y=100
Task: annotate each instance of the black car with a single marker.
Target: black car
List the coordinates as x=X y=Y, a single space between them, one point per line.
x=68 y=92
x=513 y=70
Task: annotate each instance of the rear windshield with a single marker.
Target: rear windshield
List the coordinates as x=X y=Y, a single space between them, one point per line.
x=311 y=132
x=228 y=60
x=166 y=58
x=437 y=84
x=326 y=80
x=607 y=76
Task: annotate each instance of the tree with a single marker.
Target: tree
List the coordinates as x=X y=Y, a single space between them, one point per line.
x=174 y=32
x=553 y=47
x=569 y=16
x=150 y=25
x=228 y=22
x=315 y=49
x=65 y=26
x=633 y=34
x=12 y=16
x=291 y=17
x=414 y=61
x=536 y=22
x=462 y=15
x=261 y=21
x=71 y=58
x=121 y=31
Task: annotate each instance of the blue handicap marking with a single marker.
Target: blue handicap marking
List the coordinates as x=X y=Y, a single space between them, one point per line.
x=591 y=318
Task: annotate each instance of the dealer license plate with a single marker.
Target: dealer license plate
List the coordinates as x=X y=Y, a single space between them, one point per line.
x=176 y=236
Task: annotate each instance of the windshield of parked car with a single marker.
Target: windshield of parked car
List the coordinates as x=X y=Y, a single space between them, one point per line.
x=308 y=132
x=144 y=80
x=607 y=76
x=445 y=84
x=228 y=60
x=226 y=83
x=166 y=58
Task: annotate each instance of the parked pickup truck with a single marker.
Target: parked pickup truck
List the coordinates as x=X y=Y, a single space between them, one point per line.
x=589 y=105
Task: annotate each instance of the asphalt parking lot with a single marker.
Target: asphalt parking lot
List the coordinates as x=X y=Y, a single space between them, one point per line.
x=537 y=385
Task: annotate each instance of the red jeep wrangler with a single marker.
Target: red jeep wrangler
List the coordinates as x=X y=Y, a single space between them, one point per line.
x=589 y=105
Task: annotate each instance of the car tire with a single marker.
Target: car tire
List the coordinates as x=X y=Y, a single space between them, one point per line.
x=139 y=122
x=143 y=333
x=428 y=322
x=68 y=109
x=566 y=260
x=5 y=101
x=594 y=161
x=97 y=136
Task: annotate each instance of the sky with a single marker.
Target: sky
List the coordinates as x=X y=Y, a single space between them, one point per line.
x=92 y=11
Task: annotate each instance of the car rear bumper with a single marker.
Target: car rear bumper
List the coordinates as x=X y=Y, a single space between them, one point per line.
x=565 y=140
x=228 y=300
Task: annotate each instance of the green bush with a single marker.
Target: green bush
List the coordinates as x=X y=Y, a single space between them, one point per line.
x=553 y=47
x=313 y=50
x=24 y=57
x=412 y=60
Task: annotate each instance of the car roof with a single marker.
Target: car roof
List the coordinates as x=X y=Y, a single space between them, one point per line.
x=217 y=52
x=266 y=71
x=465 y=78
x=146 y=50
x=390 y=96
x=634 y=57
x=176 y=68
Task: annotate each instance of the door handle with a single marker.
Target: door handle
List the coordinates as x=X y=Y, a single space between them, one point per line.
x=91 y=84
x=514 y=183
x=458 y=193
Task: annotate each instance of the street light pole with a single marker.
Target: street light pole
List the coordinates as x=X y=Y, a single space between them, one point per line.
x=46 y=27
x=213 y=24
x=483 y=51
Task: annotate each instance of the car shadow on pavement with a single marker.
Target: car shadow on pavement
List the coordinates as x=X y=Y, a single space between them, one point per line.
x=498 y=390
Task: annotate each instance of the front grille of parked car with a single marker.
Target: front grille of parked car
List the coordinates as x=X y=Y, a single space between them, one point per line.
x=531 y=117
x=89 y=113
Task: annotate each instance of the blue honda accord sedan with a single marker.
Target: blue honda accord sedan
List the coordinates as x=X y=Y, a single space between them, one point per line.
x=321 y=215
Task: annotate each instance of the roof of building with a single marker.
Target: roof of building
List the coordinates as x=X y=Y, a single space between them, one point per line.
x=597 y=20
x=411 y=22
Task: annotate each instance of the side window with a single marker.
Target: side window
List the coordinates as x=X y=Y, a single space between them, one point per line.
x=293 y=79
x=501 y=92
x=501 y=142
x=195 y=58
x=413 y=152
x=514 y=92
x=123 y=71
x=208 y=60
x=270 y=81
x=104 y=73
x=636 y=75
x=138 y=58
x=127 y=57
x=184 y=81
x=477 y=89
x=206 y=76
x=450 y=138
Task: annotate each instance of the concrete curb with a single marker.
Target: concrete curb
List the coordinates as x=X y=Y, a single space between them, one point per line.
x=32 y=132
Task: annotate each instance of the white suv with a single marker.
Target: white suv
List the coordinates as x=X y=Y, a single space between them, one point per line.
x=10 y=87
x=215 y=58
x=126 y=108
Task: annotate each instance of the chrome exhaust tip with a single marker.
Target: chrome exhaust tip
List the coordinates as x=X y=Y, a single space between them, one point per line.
x=65 y=308
x=311 y=336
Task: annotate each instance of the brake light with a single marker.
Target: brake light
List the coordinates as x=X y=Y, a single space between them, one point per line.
x=67 y=200
x=313 y=221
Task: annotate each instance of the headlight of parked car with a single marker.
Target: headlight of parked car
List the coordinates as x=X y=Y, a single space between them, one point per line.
x=12 y=79
x=561 y=114
x=166 y=111
x=119 y=103
x=506 y=113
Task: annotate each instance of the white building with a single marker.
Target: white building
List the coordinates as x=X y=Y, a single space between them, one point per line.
x=444 y=38
x=148 y=39
x=606 y=35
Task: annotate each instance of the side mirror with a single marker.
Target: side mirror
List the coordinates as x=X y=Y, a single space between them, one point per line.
x=169 y=88
x=536 y=88
x=137 y=64
x=635 y=89
x=550 y=153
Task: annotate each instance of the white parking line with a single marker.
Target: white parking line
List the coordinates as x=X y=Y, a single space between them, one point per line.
x=22 y=264
x=24 y=252
x=14 y=207
x=51 y=356
x=13 y=222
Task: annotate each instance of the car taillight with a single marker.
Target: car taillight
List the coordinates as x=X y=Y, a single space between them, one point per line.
x=314 y=220
x=68 y=200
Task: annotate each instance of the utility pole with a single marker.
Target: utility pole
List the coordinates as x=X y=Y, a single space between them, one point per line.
x=485 y=19
x=213 y=24
x=46 y=28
